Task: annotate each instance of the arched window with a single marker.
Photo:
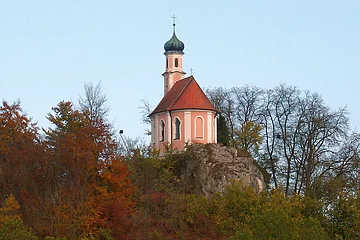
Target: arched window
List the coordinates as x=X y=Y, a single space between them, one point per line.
x=162 y=131
x=176 y=62
x=177 y=128
x=167 y=63
x=199 y=128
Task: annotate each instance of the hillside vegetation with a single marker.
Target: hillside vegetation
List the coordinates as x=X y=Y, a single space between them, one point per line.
x=73 y=181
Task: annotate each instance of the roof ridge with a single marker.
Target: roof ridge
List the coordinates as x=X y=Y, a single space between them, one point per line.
x=185 y=94
x=191 y=78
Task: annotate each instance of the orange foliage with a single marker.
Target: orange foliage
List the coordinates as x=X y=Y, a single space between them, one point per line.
x=85 y=181
x=19 y=145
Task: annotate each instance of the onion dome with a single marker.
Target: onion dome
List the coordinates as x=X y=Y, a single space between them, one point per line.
x=174 y=44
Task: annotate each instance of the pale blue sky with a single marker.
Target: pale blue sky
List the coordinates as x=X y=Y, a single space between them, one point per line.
x=49 y=49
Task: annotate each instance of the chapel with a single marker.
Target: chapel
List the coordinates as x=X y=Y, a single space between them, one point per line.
x=184 y=115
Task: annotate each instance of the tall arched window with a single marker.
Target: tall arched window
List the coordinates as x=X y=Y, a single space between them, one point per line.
x=199 y=128
x=162 y=131
x=176 y=62
x=177 y=128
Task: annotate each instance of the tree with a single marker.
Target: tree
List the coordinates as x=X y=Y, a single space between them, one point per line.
x=94 y=102
x=223 y=100
x=248 y=137
x=282 y=217
x=343 y=220
x=20 y=147
x=248 y=105
x=291 y=133
x=85 y=177
x=281 y=118
x=145 y=111
x=248 y=102
x=346 y=163
x=129 y=147
x=300 y=134
x=322 y=131
x=14 y=230
x=10 y=210
x=11 y=225
x=222 y=131
x=238 y=107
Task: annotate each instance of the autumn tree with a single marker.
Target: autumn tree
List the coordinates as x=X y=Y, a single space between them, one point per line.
x=20 y=148
x=10 y=210
x=11 y=224
x=85 y=177
x=248 y=137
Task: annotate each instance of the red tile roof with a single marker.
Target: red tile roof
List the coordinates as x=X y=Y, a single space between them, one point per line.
x=185 y=94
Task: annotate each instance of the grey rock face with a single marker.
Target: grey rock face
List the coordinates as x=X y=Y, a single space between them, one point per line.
x=209 y=168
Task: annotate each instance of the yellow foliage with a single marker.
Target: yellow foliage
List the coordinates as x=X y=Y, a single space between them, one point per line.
x=10 y=210
x=248 y=135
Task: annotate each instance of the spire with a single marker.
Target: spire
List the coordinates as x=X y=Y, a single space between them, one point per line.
x=174 y=23
x=174 y=44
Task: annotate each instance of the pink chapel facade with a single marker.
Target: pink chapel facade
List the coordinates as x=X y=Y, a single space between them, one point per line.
x=184 y=115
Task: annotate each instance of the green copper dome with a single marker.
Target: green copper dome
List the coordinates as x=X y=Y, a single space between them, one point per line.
x=174 y=44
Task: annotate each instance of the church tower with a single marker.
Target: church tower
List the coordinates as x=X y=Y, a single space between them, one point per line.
x=184 y=115
x=173 y=52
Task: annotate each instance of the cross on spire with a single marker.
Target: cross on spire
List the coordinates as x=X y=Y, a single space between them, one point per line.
x=174 y=21
x=191 y=70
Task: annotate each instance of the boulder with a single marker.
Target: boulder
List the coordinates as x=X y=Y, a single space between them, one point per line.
x=209 y=168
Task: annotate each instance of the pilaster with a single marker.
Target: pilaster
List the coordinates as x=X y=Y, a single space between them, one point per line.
x=187 y=124
x=209 y=127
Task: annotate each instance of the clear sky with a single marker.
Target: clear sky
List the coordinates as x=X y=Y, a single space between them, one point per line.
x=50 y=48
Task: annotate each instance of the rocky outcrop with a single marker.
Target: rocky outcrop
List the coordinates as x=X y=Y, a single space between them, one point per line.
x=208 y=168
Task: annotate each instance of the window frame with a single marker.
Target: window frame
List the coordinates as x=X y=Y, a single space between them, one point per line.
x=177 y=128
x=162 y=130
x=202 y=128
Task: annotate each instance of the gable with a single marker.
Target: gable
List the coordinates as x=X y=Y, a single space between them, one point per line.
x=185 y=94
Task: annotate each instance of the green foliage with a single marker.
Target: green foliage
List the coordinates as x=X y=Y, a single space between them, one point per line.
x=11 y=225
x=169 y=211
x=15 y=230
x=240 y=213
x=53 y=238
x=104 y=234
x=281 y=218
x=233 y=209
x=344 y=217
x=222 y=131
